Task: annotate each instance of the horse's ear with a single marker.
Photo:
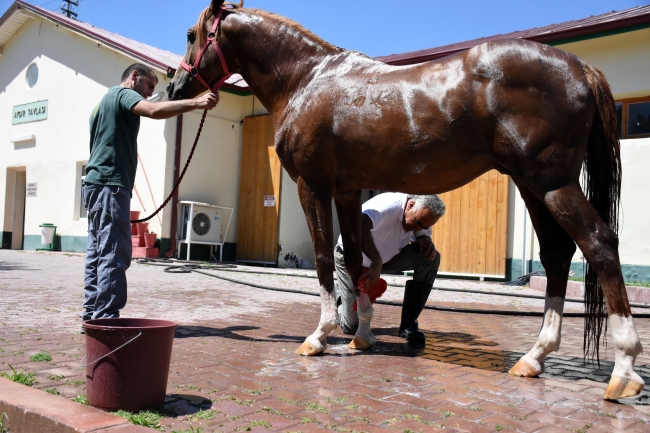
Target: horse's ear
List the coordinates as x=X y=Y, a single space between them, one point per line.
x=216 y=5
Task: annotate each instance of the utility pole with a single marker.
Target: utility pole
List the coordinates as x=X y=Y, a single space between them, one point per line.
x=67 y=6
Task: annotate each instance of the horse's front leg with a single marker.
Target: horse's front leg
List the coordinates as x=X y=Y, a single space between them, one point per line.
x=348 y=209
x=317 y=206
x=363 y=338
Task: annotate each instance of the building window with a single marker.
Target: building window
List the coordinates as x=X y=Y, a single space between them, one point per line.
x=31 y=77
x=633 y=118
x=83 y=212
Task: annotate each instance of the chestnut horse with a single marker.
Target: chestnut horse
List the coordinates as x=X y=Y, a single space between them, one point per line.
x=346 y=122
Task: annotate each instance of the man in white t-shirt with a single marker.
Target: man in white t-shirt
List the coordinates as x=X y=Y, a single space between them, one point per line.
x=395 y=237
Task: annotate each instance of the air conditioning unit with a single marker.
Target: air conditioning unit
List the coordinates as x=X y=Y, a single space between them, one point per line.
x=200 y=223
x=204 y=222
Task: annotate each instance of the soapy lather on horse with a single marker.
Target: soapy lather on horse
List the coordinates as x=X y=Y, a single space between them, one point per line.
x=346 y=122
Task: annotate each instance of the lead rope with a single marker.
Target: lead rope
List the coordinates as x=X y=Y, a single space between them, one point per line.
x=180 y=178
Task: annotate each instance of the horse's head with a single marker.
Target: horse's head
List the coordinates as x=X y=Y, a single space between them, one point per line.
x=191 y=79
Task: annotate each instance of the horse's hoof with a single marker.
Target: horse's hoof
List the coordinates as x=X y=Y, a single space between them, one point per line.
x=524 y=369
x=308 y=349
x=360 y=343
x=621 y=387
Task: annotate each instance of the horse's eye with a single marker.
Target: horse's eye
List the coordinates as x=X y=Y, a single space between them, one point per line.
x=191 y=37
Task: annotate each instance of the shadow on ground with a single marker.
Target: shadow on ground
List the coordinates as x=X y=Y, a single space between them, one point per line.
x=8 y=266
x=186 y=404
x=230 y=332
x=469 y=350
x=456 y=348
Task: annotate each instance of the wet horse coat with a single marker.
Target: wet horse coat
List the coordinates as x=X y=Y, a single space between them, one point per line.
x=346 y=122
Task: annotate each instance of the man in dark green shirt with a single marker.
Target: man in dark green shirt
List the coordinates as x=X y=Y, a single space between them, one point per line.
x=110 y=175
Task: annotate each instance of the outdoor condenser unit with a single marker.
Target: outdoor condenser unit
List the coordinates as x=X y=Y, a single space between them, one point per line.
x=205 y=222
x=201 y=224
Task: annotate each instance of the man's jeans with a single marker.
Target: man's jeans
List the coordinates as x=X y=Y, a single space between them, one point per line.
x=408 y=258
x=108 y=255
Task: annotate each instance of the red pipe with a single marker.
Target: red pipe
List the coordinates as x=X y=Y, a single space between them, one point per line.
x=177 y=164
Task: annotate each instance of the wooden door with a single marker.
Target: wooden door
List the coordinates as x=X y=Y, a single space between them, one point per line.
x=18 y=231
x=471 y=237
x=259 y=193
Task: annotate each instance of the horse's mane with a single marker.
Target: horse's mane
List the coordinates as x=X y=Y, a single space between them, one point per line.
x=201 y=28
x=295 y=26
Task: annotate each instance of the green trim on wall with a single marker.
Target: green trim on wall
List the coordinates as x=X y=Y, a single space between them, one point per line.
x=598 y=35
x=77 y=244
x=73 y=244
x=630 y=272
x=235 y=92
x=5 y=240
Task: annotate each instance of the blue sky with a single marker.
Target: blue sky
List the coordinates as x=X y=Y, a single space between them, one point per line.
x=374 y=27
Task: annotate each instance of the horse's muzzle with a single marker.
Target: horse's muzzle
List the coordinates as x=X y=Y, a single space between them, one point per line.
x=173 y=92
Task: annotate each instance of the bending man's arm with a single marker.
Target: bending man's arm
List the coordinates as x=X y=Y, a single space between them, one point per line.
x=168 y=109
x=369 y=249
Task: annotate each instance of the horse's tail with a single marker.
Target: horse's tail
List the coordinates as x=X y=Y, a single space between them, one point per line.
x=602 y=186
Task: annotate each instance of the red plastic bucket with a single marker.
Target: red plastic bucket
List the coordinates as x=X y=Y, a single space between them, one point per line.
x=150 y=240
x=127 y=362
x=142 y=228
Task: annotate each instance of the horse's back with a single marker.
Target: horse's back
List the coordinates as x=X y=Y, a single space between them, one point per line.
x=555 y=75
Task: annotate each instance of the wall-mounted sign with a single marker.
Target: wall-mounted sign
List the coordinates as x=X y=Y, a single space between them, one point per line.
x=269 y=200
x=32 y=189
x=31 y=112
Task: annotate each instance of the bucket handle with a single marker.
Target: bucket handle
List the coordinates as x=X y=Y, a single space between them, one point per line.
x=109 y=353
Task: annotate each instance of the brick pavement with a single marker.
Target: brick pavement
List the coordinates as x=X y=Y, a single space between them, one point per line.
x=233 y=358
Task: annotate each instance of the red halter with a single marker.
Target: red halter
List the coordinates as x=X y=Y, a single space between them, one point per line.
x=194 y=70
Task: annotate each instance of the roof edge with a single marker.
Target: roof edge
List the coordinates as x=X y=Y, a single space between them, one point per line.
x=8 y=13
x=551 y=38
x=51 y=16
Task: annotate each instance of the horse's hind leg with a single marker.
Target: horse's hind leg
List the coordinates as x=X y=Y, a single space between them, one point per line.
x=348 y=209
x=599 y=244
x=556 y=251
x=317 y=206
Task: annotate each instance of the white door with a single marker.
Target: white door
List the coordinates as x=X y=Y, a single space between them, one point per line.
x=19 y=211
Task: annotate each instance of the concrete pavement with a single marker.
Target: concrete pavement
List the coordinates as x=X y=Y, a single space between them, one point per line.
x=233 y=366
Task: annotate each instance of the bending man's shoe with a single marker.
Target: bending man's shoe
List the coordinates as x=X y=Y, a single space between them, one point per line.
x=416 y=294
x=413 y=334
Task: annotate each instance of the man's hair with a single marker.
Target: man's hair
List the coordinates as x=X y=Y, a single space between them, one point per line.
x=142 y=70
x=431 y=202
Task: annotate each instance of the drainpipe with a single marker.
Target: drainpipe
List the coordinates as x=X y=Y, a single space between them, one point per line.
x=177 y=164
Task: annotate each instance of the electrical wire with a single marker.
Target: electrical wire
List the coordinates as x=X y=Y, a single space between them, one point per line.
x=188 y=267
x=233 y=268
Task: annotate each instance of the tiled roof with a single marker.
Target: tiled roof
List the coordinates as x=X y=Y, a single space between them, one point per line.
x=155 y=57
x=164 y=60
x=611 y=21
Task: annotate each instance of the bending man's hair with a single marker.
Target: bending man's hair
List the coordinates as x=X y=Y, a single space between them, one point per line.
x=431 y=202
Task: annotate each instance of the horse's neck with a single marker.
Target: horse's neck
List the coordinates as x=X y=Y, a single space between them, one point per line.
x=274 y=56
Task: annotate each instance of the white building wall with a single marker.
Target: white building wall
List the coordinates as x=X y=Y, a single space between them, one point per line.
x=625 y=60
x=74 y=74
x=634 y=238
x=213 y=174
x=294 y=237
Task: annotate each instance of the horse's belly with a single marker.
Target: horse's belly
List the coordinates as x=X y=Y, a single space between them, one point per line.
x=427 y=171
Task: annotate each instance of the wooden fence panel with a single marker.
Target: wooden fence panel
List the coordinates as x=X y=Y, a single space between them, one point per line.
x=471 y=237
x=257 y=224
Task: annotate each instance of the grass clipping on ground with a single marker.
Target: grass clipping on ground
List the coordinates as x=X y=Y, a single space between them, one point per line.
x=146 y=418
x=28 y=379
